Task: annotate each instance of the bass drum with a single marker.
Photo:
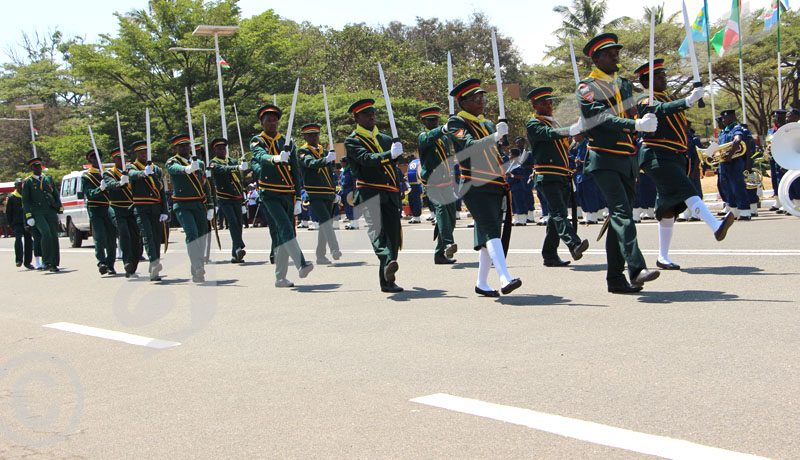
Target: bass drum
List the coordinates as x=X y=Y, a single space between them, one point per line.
x=783 y=192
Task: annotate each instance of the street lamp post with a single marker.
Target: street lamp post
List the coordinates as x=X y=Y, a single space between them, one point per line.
x=216 y=32
x=30 y=108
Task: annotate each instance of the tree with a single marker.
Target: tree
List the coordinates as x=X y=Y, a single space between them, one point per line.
x=585 y=19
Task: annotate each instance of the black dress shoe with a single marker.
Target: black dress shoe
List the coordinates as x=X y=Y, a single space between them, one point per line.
x=337 y=254
x=392 y=288
x=480 y=291
x=54 y=269
x=743 y=218
x=111 y=271
x=442 y=260
x=198 y=278
x=237 y=261
x=323 y=261
x=624 y=289
x=102 y=268
x=508 y=288
x=30 y=267
x=577 y=251
x=240 y=253
x=644 y=276
x=669 y=266
x=19 y=264
x=556 y=263
x=450 y=250
x=723 y=229
x=389 y=270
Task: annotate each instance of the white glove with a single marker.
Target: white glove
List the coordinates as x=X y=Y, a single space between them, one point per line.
x=31 y=222
x=695 y=96
x=524 y=156
x=148 y=170
x=298 y=207
x=712 y=147
x=283 y=157
x=163 y=217
x=208 y=173
x=124 y=180
x=243 y=166
x=103 y=186
x=397 y=150
x=336 y=199
x=502 y=130
x=192 y=167
x=444 y=129
x=647 y=124
x=244 y=209
x=331 y=157
x=210 y=214
x=576 y=128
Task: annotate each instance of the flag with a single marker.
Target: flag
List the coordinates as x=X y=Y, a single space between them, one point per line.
x=698 y=32
x=223 y=63
x=35 y=132
x=771 y=15
x=726 y=37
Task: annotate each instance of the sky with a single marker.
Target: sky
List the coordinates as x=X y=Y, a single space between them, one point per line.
x=530 y=23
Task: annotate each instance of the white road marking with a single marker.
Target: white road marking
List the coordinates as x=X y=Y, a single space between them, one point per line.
x=113 y=335
x=596 y=433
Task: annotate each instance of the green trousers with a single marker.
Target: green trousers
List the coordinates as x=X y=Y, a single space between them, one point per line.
x=105 y=236
x=232 y=210
x=130 y=241
x=486 y=206
x=381 y=210
x=558 y=225
x=46 y=222
x=621 y=243
x=326 y=236
x=192 y=217
x=151 y=229
x=280 y=209
x=445 y=213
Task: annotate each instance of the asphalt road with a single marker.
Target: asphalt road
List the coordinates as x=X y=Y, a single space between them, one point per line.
x=328 y=369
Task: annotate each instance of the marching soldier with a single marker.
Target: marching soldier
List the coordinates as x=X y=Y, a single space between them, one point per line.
x=607 y=107
x=279 y=183
x=371 y=155
x=663 y=158
x=23 y=244
x=776 y=172
x=226 y=172
x=518 y=179
x=437 y=173
x=149 y=205
x=483 y=184
x=414 y=191
x=97 y=203
x=550 y=146
x=731 y=170
x=191 y=201
x=42 y=203
x=319 y=181
x=120 y=196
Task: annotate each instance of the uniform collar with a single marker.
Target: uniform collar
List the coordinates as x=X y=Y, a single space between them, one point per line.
x=468 y=116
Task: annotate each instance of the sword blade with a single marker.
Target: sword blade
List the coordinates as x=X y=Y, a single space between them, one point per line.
x=450 y=99
x=652 y=55
x=291 y=115
x=121 y=148
x=205 y=138
x=96 y=153
x=147 y=134
x=498 y=78
x=575 y=72
x=389 y=113
x=189 y=120
x=239 y=130
x=327 y=117
x=692 y=55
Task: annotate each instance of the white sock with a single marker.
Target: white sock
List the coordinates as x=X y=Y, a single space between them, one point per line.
x=38 y=262
x=753 y=208
x=495 y=249
x=699 y=208
x=530 y=215
x=665 y=227
x=484 y=265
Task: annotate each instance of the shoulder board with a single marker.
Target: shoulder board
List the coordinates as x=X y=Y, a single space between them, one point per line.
x=170 y=161
x=586 y=92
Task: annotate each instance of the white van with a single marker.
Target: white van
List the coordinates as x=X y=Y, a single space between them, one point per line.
x=75 y=218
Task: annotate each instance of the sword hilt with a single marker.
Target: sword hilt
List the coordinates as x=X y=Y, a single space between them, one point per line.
x=699 y=84
x=650 y=109
x=504 y=141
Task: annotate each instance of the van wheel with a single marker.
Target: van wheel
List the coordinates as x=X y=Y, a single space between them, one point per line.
x=75 y=237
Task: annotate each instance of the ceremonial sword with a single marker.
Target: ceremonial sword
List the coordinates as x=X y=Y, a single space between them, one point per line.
x=96 y=154
x=121 y=147
x=695 y=69
x=501 y=106
x=450 y=99
x=212 y=187
x=389 y=113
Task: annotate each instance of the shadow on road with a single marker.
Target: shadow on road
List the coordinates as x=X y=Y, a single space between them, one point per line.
x=463 y=265
x=696 y=296
x=588 y=268
x=422 y=293
x=261 y=262
x=531 y=300
x=731 y=270
x=172 y=281
x=348 y=264
x=317 y=287
x=59 y=272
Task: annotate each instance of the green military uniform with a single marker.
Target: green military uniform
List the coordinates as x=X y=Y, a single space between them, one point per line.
x=191 y=201
x=377 y=190
x=149 y=205
x=279 y=188
x=606 y=103
x=662 y=154
x=103 y=230
x=121 y=201
x=228 y=185
x=483 y=183
x=436 y=173
x=319 y=182
x=550 y=149
x=42 y=202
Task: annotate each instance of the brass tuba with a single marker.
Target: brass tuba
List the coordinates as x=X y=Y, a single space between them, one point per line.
x=714 y=154
x=786 y=152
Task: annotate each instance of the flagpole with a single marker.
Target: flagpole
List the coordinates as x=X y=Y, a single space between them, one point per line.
x=780 y=86
x=710 y=74
x=741 y=64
